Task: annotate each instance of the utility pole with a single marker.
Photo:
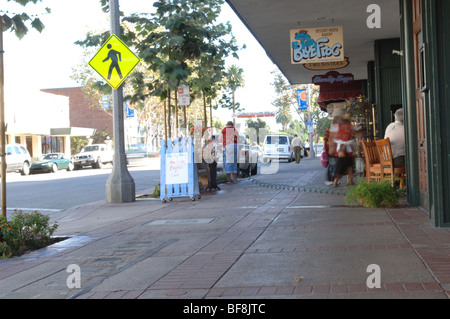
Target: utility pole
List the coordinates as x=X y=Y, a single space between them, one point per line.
x=2 y=126
x=120 y=187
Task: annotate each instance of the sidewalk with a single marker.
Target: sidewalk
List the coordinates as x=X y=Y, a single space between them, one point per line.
x=248 y=240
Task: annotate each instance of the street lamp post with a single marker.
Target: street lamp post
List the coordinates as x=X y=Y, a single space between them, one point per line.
x=120 y=185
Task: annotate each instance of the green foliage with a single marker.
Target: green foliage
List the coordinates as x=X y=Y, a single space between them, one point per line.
x=16 y=22
x=157 y=191
x=372 y=195
x=180 y=43
x=23 y=232
x=222 y=177
x=259 y=126
x=77 y=143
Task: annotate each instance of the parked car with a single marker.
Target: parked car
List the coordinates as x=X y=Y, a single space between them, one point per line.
x=278 y=147
x=139 y=153
x=247 y=156
x=17 y=159
x=52 y=163
x=94 y=155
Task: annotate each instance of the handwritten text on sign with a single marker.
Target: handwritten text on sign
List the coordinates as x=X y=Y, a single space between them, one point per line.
x=177 y=168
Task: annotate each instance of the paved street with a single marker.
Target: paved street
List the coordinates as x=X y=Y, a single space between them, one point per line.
x=62 y=190
x=244 y=241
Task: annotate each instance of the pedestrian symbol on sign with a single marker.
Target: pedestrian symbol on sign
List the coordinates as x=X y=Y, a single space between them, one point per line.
x=115 y=57
x=114 y=61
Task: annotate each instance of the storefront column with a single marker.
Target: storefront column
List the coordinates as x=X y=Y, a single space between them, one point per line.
x=67 y=147
x=408 y=92
x=36 y=141
x=435 y=25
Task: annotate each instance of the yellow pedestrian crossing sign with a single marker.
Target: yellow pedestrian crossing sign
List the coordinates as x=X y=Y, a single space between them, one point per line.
x=114 y=61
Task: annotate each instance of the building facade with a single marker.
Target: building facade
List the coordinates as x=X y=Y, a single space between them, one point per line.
x=404 y=46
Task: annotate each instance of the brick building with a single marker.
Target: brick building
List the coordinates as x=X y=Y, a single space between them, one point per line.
x=80 y=112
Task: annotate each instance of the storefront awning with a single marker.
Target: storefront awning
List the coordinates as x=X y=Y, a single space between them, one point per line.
x=333 y=93
x=72 y=131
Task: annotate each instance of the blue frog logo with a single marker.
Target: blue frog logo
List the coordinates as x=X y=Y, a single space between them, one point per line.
x=306 y=48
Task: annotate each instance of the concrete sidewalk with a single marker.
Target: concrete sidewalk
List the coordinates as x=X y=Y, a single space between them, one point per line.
x=248 y=240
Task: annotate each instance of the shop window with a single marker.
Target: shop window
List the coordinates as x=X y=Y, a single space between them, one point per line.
x=52 y=144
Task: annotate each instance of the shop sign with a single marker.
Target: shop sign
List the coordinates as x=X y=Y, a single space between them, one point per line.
x=333 y=78
x=327 y=65
x=314 y=45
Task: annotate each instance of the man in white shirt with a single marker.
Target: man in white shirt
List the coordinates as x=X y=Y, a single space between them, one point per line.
x=396 y=133
x=298 y=146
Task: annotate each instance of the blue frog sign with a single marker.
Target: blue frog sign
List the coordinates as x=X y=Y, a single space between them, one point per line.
x=317 y=45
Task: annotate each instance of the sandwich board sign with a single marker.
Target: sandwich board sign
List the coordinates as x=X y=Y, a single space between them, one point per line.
x=114 y=61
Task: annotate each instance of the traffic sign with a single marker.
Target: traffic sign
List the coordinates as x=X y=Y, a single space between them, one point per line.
x=114 y=61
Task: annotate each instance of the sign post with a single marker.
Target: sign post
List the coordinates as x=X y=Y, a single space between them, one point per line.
x=120 y=187
x=2 y=127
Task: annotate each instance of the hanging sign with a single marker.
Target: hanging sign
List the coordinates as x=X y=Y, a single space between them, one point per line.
x=327 y=65
x=325 y=44
x=333 y=78
x=302 y=99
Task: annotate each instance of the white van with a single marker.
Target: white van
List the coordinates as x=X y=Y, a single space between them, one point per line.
x=278 y=147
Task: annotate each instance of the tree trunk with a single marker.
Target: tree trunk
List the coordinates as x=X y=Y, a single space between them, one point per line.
x=165 y=122
x=205 y=116
x=210 y=112
x=186 y=128
x=169 y=124
x=176 y=114
x=234 y=110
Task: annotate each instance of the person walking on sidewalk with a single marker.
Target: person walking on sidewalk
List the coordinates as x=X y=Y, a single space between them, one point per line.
x=298 y=146
x=343 y=138
x=229 y=137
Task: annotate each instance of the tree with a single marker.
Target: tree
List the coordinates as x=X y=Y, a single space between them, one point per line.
x=234 y=79
x=182 y=41
x=179 y=44
x=16 y=22
x=257 y=126
x=297 y=127
x=284 y=101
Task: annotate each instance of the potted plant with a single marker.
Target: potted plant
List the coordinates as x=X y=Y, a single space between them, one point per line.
x=372 y=195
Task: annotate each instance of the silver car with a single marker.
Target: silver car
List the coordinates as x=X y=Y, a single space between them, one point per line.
x=17 y=159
